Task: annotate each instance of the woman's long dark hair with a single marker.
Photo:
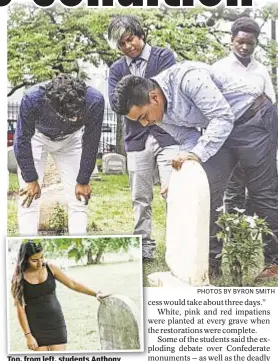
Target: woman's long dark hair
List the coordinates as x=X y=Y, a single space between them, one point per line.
x=26 y=250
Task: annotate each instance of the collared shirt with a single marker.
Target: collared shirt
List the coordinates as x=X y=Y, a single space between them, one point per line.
x=35 y=113
x=135 y=135
x=255 y=70
x=139 y=68
x=201 y=96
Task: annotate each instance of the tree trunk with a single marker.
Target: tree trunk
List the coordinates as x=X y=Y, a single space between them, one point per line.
x=90 y=257
x=120 y=135
x=98 y=256
x=274 y=65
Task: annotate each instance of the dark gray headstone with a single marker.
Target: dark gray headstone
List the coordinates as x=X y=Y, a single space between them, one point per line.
x=119 y=324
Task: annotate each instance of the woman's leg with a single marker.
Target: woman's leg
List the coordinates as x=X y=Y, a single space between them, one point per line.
x=42 y=348
x=61 y=347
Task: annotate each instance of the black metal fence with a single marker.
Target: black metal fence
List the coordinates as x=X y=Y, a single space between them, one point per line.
x=108 y=135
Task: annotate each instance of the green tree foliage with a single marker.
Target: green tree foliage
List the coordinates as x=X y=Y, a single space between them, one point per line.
x=44 y=42
x=186 y=33
x=90 y=248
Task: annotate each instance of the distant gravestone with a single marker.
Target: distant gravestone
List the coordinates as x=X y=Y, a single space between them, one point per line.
x=113 y=163
x=95 y=174
x=119 y=324
x=187 y=228
x=12 y=163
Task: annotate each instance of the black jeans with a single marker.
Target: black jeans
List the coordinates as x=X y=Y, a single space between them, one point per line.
x=253 y=143
x=236 y=195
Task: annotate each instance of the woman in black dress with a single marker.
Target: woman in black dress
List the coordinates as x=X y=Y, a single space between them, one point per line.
x=39 y=311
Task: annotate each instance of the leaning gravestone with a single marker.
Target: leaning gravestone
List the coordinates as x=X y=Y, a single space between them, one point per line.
x=187 y=228
x=119 y=324
x=53 y=197
x=113 y=163
x=51 y=174
x=53 y=201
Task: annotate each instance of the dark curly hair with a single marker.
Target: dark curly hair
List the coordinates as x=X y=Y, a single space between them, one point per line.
x=66 y=95
x=131 y=90
x=247 y=25
x=27 y=249
x=125 y=24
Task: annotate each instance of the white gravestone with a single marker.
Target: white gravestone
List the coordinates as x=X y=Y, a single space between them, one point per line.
x=113 y=163
x=187 y=229
x=119 y=324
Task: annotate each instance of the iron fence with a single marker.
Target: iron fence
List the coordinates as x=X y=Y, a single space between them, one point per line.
x=108 y=134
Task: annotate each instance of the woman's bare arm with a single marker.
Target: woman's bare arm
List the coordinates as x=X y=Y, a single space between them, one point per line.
x=23 y=321
x=72 y=284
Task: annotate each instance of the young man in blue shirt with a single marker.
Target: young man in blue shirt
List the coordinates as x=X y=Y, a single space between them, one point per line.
x=62 y=117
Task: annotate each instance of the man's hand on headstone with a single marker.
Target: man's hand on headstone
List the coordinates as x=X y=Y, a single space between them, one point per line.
x=31 y=191
x=83 y=191
x=182 y=157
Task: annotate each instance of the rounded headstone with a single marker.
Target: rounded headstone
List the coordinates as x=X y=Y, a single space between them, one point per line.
x=113 y=163
x=187 y=226
x=119 y=324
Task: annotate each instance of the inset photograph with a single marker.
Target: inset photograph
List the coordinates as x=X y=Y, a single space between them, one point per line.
x=74 y=294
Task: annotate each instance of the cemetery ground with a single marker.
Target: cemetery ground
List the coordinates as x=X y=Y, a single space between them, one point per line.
x=80 y=311
x=110 y=211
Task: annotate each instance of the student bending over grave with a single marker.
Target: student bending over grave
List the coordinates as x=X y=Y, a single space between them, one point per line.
x=62 y=117
x=241 y=124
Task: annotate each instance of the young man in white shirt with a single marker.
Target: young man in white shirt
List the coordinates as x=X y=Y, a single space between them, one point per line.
x=242 y=64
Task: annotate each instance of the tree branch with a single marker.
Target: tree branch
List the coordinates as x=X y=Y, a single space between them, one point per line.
x=15 y=88
x=50 y=14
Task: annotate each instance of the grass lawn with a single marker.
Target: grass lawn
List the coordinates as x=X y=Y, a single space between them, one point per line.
x=110 y=211
x=80 y=310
